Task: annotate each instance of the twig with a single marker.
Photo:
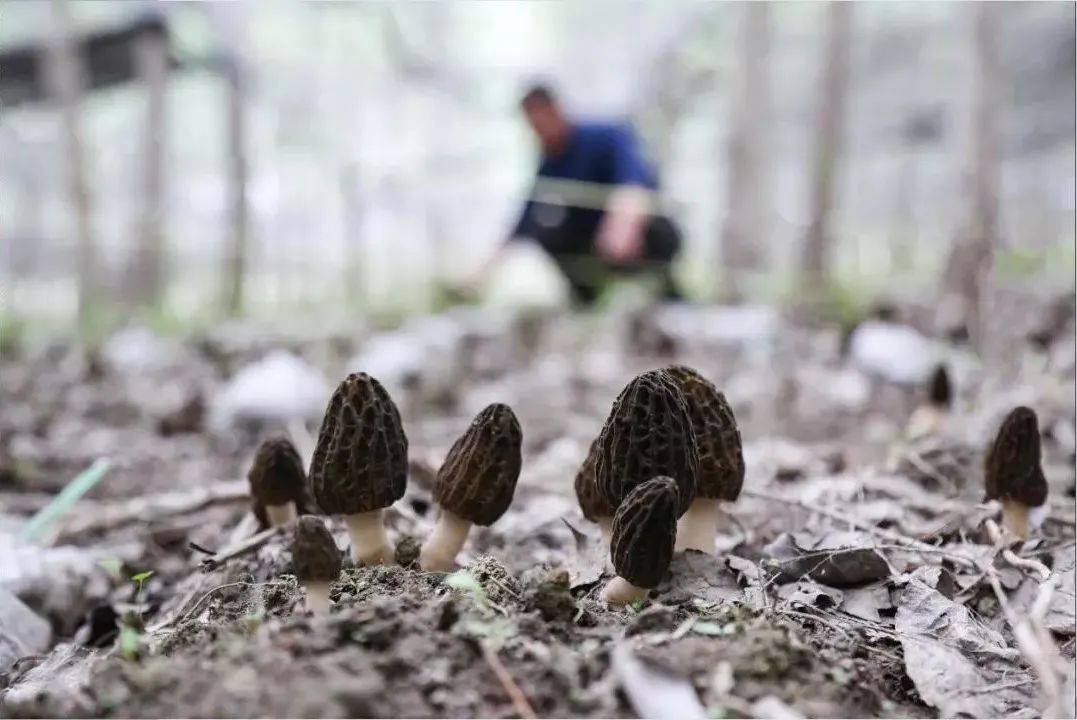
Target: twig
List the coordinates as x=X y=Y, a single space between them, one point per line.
x=519 y=700
x=908 y=542
x=251 y=543
x=149 y=508
x=995 y=534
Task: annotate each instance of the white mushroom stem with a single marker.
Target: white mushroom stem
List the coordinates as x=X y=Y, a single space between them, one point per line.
x=605 y=524
x=441 y=548
x=280 y=514
x=619 y=591
x=1015 y=518
x=317 y=596
x=370 y=545
x=696 y=528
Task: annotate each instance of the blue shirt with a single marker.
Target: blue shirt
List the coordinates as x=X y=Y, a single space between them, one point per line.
x=597 y=152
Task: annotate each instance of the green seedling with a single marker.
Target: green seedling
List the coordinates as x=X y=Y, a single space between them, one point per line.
x=141 y=578
x=467 y=583
x=130 y=642
x=65 y=500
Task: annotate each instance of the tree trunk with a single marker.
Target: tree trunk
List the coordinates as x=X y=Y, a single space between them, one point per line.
x=67 y=80
x=744 y=233
x=817 y=248
x=971 y=256
x=235 y=258
x=151 y=57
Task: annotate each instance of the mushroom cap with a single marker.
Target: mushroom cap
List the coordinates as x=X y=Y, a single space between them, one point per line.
x=721 y=458
x=648 y=433
x=315 y=555
x=361 y=461
x=478 y=478
x=939 y=390
x=591 y=503
x=276 y=475
x=645 y=531
x=1012 y=467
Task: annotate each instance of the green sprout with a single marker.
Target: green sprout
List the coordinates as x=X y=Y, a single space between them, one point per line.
x=141 y=579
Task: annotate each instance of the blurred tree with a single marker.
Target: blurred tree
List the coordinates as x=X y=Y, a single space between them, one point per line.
x=971 y=256
x=229 y=21
x=828 y=141
x=67 y=82
x=744 y=233
x=147 y=273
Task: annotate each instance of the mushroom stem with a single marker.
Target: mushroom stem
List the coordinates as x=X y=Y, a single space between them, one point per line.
x=1015 y=518
x=605 y=524
x=317 y=596
x=280 y=514
x=695 y=531
x=440 y=549
x=619 y=591
x=370 y=546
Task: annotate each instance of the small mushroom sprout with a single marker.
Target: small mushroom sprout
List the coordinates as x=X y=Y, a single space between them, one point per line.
x=648 y=433
x=1012 y=472
x=317 y=560
x=475 y=484
x=360 y=464
x=593 y=507
x=278 y=483
x=644 y=533
x=930 y=416
x=721 y=459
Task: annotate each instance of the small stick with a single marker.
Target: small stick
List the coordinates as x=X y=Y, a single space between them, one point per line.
x=251 y=543
x=519 y=700
x=890 y=535
x=1036 y=566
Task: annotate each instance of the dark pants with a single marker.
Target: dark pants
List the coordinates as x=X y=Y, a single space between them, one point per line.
x=587 y=273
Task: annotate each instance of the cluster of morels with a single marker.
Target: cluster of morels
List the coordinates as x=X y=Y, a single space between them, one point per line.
x=668 y=454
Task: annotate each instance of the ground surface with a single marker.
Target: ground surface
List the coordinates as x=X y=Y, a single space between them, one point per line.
x=853 y=578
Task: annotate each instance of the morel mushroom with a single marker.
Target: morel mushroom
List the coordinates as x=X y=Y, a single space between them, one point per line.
x=278 y=483
x=360 y=463
x=475 y=484
x=721 y=459
x=592 y=505
x=928 y=418
x=1012 y=472
x=648 y=433
x=644 y=533
x=316 y=560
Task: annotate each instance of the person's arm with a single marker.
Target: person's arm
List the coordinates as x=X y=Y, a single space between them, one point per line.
x=630 y=204
x=523 y=229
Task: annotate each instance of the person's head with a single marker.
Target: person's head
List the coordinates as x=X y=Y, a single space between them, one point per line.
x=545 y=117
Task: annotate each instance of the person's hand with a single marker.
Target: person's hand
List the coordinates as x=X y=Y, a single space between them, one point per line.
x=620 y=234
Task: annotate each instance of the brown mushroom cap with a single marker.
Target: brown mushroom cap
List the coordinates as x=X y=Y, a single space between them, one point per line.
x=939 y=390
x=478 y=478
x=361 y=461
x=1012 y=468
x=276 y=475
x=645 y=531
x=591 y=502
x=648 y=433
x=721 y=459
x=315 y=555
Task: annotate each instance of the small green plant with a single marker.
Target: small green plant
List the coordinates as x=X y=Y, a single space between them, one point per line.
x=141 y=579
x=130 y=642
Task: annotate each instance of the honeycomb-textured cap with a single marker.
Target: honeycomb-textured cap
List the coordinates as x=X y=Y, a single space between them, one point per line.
x=648 y=433
x=1012 y=468
x=721 y=458
x=315 y=556
x=478 y=478
x=645 y=531
x=940 y=392
x=276 y=475
x=361 y=461
x=591 y=503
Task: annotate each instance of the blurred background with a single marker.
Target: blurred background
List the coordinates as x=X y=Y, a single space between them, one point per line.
x=181 y=163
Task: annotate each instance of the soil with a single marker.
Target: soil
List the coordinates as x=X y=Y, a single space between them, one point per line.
x=523 y=610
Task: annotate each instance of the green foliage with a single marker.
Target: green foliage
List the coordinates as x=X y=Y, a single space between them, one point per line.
x=130 y=643
x=468 y=584
x=65 y=500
